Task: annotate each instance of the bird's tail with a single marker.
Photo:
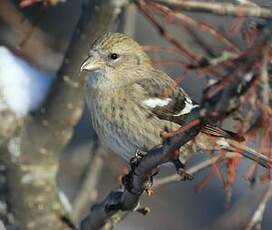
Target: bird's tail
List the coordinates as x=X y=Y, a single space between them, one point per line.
x=214 y=138
x=248 y=152
x=234 y=142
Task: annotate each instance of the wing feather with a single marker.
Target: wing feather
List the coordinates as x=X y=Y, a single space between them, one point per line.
x=169 y=102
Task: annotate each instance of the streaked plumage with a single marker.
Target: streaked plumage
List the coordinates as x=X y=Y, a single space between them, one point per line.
x=124 y=93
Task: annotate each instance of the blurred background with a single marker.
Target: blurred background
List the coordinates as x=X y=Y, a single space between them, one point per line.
x=48 y=147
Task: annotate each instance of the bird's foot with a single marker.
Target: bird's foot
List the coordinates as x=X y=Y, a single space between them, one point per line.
x=184 y=176
x=134 y=161
x=180 y=168
x=143 y=210
x=139 y=154
x=147 y=187
x=149 y=183
x=164 y=136
x=127 y=181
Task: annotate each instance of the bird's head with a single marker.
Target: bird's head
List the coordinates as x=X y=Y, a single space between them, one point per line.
x=114 y=58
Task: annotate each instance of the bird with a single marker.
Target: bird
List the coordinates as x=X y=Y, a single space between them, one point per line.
x=124 y=92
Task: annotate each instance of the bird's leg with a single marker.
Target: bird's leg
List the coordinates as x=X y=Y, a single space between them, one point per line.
x=180 y=168
x=134 y=162
x=127 y=180
x=165 y=140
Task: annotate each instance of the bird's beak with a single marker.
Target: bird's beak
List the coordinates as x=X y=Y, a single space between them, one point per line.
x=91 y=64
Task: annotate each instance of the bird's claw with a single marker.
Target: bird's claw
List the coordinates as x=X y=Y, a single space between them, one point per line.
x=184 y=176
x=134 y=161
x=139 y=154
x=143 y=211
x=147 y=187
x=180 y=168
x=127 y=181
x=149 y=183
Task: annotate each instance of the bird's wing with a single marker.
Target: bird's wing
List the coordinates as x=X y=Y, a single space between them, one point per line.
x=166 y=100
x=219 y=132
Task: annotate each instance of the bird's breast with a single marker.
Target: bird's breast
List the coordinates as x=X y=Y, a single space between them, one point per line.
x=123 y=124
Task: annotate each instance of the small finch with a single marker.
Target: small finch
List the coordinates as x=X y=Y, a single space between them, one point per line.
x=122 y=92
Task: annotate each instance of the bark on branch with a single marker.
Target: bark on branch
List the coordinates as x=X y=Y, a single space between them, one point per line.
x=32 y=175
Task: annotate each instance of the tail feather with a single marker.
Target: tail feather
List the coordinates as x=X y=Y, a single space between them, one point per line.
x=203 y=141
x=249 y=153
x=219 y=132
x=231 y=141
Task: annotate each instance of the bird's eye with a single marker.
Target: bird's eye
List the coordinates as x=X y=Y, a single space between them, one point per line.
x=113 y=56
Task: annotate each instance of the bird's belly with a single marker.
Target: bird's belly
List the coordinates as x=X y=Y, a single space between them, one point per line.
x=118 y=142
x=124 y=132
x=117 y=139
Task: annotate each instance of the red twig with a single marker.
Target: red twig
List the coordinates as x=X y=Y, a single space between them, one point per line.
x=170 y=38
x=199 y=25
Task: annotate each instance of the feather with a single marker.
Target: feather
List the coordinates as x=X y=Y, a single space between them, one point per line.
x=154 y=102
x=176 y=104
x=219 y=132
x=189 y=106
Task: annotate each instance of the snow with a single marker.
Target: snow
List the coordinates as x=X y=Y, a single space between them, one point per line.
x=22 y=86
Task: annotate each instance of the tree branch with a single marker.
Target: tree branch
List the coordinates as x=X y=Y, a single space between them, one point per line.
x=31 y=173
x=38 y=41
x=217 y=103
x=87 y=193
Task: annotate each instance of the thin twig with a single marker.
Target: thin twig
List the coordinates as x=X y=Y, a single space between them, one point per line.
x=257 y=216
x=168 y=36
x=199 y=25
x=87 y=193
x=217 y=8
